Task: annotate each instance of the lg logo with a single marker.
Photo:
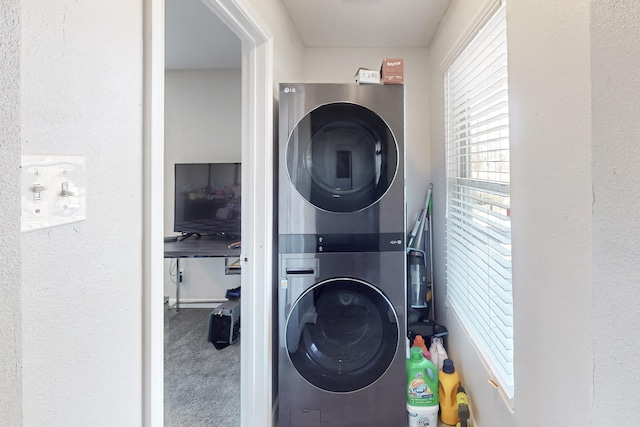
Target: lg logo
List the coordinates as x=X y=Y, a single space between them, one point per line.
x=396 y=242
x=289 y=90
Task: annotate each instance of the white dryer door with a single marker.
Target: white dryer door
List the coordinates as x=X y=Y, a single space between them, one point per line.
x=342 y=334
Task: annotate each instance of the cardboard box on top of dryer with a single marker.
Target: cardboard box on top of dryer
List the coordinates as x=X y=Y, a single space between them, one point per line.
x=392 y=71
x=366 y=76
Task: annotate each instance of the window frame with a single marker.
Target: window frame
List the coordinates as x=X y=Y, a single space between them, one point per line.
x=502 y=377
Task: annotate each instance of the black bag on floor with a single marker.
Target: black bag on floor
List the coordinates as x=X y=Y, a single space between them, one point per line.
x=224 y=325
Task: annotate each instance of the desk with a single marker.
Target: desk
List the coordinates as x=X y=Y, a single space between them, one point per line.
x=203 y=247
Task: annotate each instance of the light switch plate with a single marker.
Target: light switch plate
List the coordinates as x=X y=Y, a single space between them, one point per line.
x=53 y=190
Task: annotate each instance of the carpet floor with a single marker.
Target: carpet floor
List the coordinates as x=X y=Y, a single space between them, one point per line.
x=201 y=384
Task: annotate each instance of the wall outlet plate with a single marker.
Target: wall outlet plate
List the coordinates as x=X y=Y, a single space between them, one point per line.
x=53 y=191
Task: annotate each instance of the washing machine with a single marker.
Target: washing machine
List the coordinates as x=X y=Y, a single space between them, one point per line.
x=341 y=256
x=342 y=358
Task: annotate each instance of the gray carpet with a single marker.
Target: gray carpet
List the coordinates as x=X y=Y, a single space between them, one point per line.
x=201 y=384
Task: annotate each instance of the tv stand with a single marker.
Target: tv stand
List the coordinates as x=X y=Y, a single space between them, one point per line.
x=187 y=235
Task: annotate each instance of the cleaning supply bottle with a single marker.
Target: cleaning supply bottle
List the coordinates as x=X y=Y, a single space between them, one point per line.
x=422 y=380
x=448 y=380
x=438 y=353
x=418 y=341
x=433 y=350
x=422 y=390
x=442 y=353
x=462 y=402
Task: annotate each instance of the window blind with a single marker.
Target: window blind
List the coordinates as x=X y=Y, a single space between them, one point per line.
x=478 y=226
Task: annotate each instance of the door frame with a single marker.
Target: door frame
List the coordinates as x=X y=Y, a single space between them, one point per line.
x=256 y=361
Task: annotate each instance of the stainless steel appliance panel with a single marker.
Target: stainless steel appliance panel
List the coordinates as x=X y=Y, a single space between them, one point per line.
x=341 y=159
x=331 y=345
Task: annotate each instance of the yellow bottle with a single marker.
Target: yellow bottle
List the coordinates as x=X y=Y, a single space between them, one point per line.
x=448 y=381
x=462 y=401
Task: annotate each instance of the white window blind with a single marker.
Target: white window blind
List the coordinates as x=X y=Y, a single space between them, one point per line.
x=478 y=239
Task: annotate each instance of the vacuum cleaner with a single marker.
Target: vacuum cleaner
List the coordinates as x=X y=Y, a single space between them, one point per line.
x=420 y=312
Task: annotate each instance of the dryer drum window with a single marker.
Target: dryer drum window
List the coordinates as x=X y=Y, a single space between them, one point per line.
x=342 y=157
x=342 y=335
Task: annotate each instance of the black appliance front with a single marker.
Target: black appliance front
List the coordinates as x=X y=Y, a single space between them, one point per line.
x=342 y=339
x=345 y=345
x=341 y=159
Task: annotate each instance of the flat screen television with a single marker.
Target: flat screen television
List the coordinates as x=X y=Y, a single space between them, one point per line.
x=207 y=199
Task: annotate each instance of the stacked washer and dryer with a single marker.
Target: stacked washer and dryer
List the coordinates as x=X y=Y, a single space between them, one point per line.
x=341 y=256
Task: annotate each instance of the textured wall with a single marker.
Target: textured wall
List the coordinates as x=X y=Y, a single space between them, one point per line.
x=550 y=128
x=616 y=224
x=81 y=93
x=10 y=293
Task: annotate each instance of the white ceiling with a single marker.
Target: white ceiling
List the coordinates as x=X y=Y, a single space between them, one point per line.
x=366 y=23
x=196 y=38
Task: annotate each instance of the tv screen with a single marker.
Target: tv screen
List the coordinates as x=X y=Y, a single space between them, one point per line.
x=207 y=199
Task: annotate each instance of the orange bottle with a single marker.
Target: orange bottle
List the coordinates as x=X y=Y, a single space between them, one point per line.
x=448 y=382
x=418 y=341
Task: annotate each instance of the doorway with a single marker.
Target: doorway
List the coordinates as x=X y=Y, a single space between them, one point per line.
x=257 y=219
x=202 y=205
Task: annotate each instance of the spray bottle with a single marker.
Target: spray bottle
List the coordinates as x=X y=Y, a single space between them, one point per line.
x=462 y=401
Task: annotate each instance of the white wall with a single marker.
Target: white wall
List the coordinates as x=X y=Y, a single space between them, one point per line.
x=615 y=49
x=10 y=278
x=78 y=353
x=81 y=93
x=338 y=65
x=550 y=101
x=288 y=50
x=202 y=125
x=550 y=120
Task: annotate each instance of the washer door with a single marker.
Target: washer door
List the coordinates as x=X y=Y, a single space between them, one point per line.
x=342 y=157
x=342 y=335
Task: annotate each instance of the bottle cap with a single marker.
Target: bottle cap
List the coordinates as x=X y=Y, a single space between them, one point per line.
x=447 y=366
x=416 y=354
